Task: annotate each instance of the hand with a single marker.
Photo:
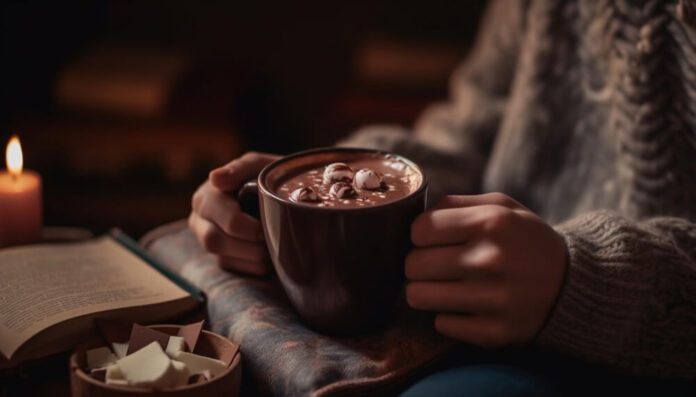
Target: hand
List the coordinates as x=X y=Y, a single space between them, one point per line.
x=489 y=266
x=218 y=222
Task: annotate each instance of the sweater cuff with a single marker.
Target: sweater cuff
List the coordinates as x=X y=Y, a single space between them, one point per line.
x=594 y=311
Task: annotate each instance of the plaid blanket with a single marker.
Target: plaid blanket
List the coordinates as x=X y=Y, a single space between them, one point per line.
x=282 y=356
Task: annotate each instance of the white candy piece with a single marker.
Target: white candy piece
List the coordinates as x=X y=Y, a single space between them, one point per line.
x=207 y=375
x=181 y=374
x=175 y=344
x=114 y=372
x=120 y=349
x=100 y=357
x=335 y=172
x=198 y=364
x=367 y=179
x=149 y=367
x=114 y=376
x=117 y=382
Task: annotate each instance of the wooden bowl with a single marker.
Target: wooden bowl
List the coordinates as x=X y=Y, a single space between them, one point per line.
x=209 y=344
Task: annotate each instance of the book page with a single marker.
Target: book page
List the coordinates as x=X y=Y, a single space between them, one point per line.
x=43 y=285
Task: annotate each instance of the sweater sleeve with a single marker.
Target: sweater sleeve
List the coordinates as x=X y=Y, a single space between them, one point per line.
x=629 y=297
x=451 y=141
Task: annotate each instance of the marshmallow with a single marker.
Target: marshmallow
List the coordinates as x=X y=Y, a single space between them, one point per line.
x=336 y=172
x=100 y=357
x=342 y=190
x=175 y=344
x=304 y=194
x=199 y=364
x=367 y=179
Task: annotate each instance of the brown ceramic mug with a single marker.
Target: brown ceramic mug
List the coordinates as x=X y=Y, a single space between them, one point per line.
x=342 y=268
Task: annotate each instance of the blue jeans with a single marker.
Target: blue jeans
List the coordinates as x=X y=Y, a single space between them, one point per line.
x=522 y=372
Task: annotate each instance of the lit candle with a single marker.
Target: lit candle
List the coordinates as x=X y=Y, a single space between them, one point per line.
x=20 y=200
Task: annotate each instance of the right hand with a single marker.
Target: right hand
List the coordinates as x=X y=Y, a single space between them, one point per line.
x=236 y=238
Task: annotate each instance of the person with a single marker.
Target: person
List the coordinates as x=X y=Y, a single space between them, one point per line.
x=563 y=169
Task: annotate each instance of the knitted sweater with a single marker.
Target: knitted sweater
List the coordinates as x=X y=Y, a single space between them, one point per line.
x=585 y=111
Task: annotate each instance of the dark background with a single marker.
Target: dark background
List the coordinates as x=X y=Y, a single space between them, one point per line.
x=123 y=106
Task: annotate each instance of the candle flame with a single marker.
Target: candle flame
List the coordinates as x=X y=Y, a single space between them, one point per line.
x=13 y=156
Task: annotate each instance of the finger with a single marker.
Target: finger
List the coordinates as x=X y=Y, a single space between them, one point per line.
x=482 y=331
x=234 y=174
x=436 y=263
x=476 y=259
x=214 y=240
x=223 y=210
x=465 y=296
x=495 y=198
x=255 y=268
x=452 y=225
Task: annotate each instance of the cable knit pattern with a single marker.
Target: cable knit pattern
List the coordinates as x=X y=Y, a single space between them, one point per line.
x=585 y=111
x=451 y=141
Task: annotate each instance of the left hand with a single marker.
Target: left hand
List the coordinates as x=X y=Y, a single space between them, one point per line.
x=489 y=266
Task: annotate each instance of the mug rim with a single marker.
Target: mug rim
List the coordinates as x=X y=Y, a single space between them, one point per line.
x=266 y=191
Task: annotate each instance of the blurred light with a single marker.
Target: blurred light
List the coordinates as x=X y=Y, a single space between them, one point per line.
x=13 y=156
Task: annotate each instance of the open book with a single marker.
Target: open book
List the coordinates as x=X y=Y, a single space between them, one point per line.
x=50 y=293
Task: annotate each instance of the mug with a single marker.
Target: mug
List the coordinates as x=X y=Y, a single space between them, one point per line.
x=341 y=268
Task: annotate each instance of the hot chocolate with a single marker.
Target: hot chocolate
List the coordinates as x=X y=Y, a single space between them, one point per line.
x=357 y=181
x=337 y=225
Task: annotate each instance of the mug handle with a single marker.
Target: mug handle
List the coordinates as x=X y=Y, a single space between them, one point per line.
x=248 y=197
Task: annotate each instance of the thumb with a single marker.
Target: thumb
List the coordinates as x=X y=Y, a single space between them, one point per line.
x=234 y=174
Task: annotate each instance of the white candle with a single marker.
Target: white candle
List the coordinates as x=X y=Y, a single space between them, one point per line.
x=20 y=200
